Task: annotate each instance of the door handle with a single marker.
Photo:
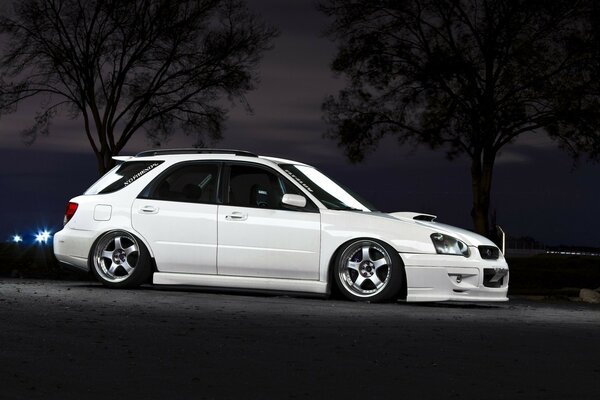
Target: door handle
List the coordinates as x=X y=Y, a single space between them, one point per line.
x=149 y=210
x=236 y=216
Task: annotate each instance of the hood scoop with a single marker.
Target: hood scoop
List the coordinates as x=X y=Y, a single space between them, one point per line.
x=413 y=215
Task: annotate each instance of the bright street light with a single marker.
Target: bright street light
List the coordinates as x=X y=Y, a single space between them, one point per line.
x=42 y=237
x=17 y=239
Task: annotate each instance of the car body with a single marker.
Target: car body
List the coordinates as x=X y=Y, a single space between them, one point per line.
x=231 y=219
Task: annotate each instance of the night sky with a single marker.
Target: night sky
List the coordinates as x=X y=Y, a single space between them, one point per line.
x=536 y=190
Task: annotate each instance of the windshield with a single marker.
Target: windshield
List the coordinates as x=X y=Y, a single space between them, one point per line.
x=331 y=194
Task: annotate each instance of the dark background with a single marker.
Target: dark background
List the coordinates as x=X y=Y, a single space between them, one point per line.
x=536 y=190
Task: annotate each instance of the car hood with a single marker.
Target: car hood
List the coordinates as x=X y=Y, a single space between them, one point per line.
x=470 y=238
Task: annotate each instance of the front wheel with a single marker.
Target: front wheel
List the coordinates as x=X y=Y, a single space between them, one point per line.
x=120 y=260
x=368 y=270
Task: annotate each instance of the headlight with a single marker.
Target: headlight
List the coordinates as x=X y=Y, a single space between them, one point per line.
x=445 y=244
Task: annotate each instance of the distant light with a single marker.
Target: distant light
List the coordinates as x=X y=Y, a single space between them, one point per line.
x=17 y=239
x=42 y=237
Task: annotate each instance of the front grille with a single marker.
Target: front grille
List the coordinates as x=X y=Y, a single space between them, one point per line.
x=494 y=277
x=489 y=252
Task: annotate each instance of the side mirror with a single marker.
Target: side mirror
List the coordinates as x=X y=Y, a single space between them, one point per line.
x=294 y=200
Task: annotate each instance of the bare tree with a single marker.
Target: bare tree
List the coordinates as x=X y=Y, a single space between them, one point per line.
x=128 y=65
x=468 y=76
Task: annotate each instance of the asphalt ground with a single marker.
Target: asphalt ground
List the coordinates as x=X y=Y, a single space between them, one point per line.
x=63 y=340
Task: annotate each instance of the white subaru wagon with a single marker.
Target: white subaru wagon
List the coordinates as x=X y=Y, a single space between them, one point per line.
x=232 y=219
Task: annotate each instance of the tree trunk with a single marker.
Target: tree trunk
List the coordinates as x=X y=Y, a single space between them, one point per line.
x=482 y=168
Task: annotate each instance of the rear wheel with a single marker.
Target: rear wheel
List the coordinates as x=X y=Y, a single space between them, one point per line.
x=368 y=270
x=120 y=260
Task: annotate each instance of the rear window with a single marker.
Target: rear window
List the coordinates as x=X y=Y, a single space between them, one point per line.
x=122 y=176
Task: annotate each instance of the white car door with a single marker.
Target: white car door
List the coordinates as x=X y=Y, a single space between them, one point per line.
x=258 y=236
x=177 y=215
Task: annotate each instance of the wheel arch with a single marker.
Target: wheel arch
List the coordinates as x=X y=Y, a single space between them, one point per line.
x=146 y=243
x=116 y=229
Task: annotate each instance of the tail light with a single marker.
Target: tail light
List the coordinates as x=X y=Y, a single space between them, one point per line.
x=71 y=208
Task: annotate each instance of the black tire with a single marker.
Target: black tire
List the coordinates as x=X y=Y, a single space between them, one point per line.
x=368 y=270
x=118 y=259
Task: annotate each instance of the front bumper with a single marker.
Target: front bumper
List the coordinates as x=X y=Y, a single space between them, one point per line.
x=436 y=277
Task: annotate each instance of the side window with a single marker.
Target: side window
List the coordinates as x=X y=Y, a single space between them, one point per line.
x=256 y=187
x=121 y=176
x=191 y=183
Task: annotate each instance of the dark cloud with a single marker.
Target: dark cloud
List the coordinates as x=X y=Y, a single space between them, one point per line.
x=293 y=17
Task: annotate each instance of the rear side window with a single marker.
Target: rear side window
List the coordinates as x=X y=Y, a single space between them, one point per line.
x=122 y=176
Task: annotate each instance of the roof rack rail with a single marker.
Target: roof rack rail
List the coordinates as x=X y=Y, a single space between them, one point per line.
x=150 y=153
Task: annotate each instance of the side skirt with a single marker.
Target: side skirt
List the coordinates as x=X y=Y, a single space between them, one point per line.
x=224 y=281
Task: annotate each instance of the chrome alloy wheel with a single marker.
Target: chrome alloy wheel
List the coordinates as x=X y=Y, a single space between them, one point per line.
x=365 y=268
x=116 y=257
